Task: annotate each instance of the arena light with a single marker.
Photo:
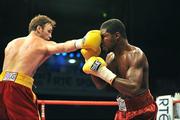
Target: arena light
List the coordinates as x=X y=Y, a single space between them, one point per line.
x=78 y=55
x=71 y=55
x=104 y=15
x=72 y=61
x=64 y=54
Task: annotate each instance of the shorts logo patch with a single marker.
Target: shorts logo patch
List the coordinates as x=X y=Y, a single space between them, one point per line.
x=11 y=76
x=121 y=104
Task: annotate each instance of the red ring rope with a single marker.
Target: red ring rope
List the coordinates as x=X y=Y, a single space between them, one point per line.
x=75 y=102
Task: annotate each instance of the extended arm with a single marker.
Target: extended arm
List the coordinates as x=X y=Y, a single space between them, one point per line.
x=91 y=38
x=68 y=46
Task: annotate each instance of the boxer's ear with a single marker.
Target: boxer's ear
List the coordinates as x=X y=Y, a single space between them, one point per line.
x=39 y=28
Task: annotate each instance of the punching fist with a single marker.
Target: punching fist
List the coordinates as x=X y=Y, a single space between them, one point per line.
x=97 y=66
x=110 y=57
x=91 y=40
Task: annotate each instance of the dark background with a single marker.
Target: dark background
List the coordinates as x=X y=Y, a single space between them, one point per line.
x=152 y=25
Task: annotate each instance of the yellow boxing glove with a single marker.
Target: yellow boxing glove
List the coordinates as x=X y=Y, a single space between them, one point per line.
x=91 y=40
x=97 y=66
x=87 y=53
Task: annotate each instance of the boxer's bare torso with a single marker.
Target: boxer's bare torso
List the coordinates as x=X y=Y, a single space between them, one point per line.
x=26 y=54
x=131 y=67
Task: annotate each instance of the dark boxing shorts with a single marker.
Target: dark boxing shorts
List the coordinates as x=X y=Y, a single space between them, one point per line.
x=17 y=100
x=142 y=107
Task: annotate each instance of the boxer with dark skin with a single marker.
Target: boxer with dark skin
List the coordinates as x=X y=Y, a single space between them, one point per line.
x=128 y=66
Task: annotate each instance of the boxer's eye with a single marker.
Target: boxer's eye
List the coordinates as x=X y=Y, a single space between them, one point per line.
x=49 y=31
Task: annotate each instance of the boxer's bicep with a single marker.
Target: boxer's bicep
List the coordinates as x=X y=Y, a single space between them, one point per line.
x=135 y=75
x=136 y=71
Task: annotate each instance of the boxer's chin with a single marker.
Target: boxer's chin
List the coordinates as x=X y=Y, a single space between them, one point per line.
x=48 y=39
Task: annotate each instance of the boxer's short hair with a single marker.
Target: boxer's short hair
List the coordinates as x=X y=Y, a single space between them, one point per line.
x=40 y=20
x=114 y=25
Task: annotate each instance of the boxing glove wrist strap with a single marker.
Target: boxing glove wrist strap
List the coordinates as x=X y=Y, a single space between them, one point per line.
x=105 y=74
x=78 y=43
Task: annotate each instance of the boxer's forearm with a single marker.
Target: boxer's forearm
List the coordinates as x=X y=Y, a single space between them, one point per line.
x=70 y=46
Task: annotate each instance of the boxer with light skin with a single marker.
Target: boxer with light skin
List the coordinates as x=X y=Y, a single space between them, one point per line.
x=23 y=56
x=126 y=70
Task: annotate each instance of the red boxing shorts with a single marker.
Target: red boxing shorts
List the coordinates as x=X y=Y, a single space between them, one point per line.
x=17 y=100
x=142 y=107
